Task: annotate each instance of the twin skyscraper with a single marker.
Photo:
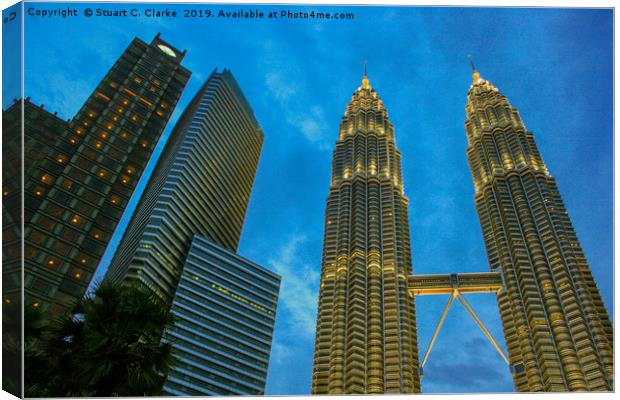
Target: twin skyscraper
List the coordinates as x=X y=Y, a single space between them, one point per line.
x=557 y=330
x=182 y=238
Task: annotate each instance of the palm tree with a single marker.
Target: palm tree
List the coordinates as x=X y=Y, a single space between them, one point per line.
x=12 y=341
x=108 y=345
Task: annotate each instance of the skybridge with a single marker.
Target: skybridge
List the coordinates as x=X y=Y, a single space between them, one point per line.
x=455 y=286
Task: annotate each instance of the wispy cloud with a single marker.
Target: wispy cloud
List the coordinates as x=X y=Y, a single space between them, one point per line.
x=280 y=87
x=307 y=119
x=313 y=126
x=298 y=290
x=287 y=81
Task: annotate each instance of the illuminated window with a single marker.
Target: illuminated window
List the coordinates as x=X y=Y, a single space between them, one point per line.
x=153 y=89
x=97 y=235
x=75 y=219
x=137 y=80
x=113 y=85
x=83 y=261
x=67 y=184
x=134 y=118
x=120 y=109
x=51 y=262
x=72 y=141
x=85 y=123
x=163 y=104
x=91 y=114
x=125 y=179
x=77 y=275
x=114 y=200
x=38 y=193
x=104 y=135
x=36 y=305
x=145 y=101
x=161 y=114
x=124 y=135
x=144 y=143
x=110 y=126
x=61 y=159
x=103 y=96
x=156 y=82
x=5 y=193
x=46 y=178
x=98 y=145
x=79 y=131
x=130 y=170
x=101 y=173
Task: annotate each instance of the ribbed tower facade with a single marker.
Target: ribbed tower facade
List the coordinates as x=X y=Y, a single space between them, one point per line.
x=558 y=333
x=366 y=339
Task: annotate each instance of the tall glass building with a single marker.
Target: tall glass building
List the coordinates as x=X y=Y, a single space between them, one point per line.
x=366 y=338
x=558 y=333
x=182 y=239
x=78 y=189
x=201 y=185
x=225 y=309
x=41 y=130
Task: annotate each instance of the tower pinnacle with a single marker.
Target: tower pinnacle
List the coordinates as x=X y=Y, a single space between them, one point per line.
x=474 y=73
x=365 y=82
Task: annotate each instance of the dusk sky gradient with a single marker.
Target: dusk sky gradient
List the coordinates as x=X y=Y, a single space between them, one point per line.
x=554 y=65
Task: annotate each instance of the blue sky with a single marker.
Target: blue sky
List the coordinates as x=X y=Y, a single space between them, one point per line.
x=555 y=66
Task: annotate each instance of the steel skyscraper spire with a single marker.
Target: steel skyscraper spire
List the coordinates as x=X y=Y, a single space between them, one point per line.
x=558 y=333
x=366 y=339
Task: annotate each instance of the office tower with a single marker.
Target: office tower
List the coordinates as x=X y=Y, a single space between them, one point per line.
x=558 y=333
x=182 y=239
x=41 y=129
x=77 y=193
x=224 y=309
x=366 y=339
x=201 y=185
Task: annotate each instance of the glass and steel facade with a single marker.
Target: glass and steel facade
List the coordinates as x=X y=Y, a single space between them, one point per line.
x=201 y=185
x=41 y=129
x=225 y=308
x=558 y=333
x=77 y=194
x=182 y=239
x=366 y=338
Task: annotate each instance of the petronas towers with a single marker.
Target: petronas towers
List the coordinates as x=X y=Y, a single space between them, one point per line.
x=366 y=340
x=557 y=331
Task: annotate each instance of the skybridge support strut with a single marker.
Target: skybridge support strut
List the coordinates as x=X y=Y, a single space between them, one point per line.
x=456 y=285
x=439 y=324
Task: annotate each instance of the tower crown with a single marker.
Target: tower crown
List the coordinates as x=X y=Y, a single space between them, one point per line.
x=365 y=81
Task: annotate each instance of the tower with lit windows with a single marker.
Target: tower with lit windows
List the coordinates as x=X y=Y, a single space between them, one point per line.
x=558 y=333
x=201 y=185
x=77 y=191
x=366 y=339
x=182 y=239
